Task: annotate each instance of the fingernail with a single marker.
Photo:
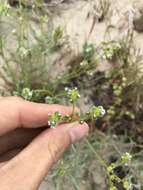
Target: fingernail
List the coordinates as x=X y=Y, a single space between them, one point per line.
x=78 y=131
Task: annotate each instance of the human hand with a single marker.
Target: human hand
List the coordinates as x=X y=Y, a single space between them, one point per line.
x=28 y=148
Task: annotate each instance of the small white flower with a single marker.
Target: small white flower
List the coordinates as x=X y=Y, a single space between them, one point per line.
x=72 y=94
x=126 y=157
x=14 y=31
x=23 y=52
x=90 y=73
x=84 y=63
x=20 y=18
x=27 y=93
x=102 y=110
x=66 y=88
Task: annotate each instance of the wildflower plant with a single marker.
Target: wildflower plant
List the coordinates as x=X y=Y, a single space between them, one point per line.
x=73 y=95
x=54 y=119
x=27 y=93
x=110 y=50
x=96 y=112
x=88 y=51
x=57 y=36
x=113 y=178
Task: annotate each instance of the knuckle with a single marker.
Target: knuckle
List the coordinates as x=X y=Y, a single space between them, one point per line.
x=58 y=145
x=53 y=152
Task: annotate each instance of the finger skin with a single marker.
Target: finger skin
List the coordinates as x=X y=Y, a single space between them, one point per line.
x=17 y=138
x=27 y=169
x=16 y=112
x=9 y=155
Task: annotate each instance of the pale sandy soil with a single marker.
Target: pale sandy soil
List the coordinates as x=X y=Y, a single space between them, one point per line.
x=78 y=19
x=78 y=24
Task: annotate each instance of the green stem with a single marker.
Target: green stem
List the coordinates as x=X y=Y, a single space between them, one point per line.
x=44 y=91
x=73 y=111
x=101 y=160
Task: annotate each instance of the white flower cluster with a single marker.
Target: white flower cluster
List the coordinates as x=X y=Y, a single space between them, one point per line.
x=27 y=93
x=102 y=110
x=109 y=50
x=97 y=111
x=23 y=52
x=126 y=157
x=72 y=94
x=54 y=119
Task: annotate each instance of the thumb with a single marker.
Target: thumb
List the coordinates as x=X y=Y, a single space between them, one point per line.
x=33 y=163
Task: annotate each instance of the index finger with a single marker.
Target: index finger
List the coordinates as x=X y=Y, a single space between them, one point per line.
x=16 y=112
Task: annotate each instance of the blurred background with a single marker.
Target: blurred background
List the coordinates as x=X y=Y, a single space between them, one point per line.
x=96 y=46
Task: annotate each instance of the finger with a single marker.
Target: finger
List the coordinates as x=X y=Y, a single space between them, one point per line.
x=2 y=164
x=18 y=138
x=16 y=112
x=33 y=163
x=9 y=155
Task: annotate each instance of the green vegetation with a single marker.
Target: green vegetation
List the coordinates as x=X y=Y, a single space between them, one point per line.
x=111 y=157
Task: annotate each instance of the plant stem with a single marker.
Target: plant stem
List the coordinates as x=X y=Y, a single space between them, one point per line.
x=73 y=111
x=101 y=160
x=44 y=91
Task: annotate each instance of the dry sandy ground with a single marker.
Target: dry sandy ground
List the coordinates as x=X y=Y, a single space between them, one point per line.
x=77 y=20
x=80 y=23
